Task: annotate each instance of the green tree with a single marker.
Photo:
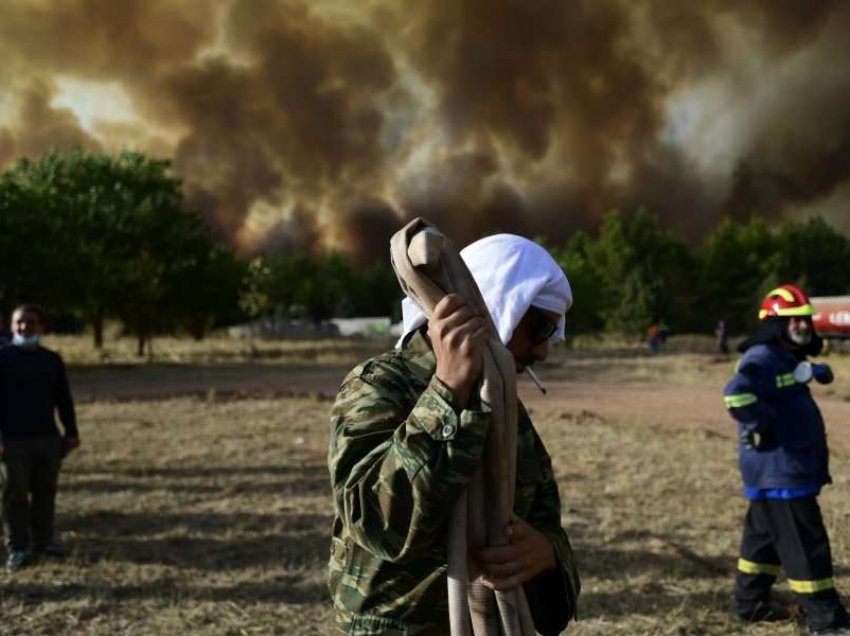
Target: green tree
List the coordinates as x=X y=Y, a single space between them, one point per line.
x=375 y=292
x=575 y=257
x=326 y=288
x=737 y=261
x=645 y=272
x=206 y=292
x=30 y=267
x=322 y=286
x=254 y=299
x=105 y=236
x=815 y=255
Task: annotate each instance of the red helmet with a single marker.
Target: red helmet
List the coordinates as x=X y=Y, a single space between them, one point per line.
x=785 y=300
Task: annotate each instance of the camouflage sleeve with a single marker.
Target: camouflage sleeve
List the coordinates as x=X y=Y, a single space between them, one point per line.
x=552 y=596
x=396 y=470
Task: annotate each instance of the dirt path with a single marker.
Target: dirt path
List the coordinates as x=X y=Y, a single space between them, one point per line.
x=161 y=381
x=662 y=405
x=674 y=407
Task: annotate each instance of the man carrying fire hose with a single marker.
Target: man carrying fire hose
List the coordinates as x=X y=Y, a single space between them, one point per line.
x=784 y=464
x=407 y=432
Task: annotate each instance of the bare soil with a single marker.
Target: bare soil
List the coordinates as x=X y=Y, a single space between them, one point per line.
x=695 y=404
x=200 y=502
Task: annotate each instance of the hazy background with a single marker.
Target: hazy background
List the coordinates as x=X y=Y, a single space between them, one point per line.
x=323 y=124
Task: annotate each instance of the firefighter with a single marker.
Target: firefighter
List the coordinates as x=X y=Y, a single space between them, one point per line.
x=784 y=464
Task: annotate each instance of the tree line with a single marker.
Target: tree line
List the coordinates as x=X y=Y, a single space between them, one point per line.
x=98 y=237
x=634 y=271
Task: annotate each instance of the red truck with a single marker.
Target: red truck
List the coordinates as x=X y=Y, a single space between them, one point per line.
x=832 y=316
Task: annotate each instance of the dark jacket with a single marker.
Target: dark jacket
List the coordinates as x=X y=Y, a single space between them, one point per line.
x=33 y=386
x=763 y=396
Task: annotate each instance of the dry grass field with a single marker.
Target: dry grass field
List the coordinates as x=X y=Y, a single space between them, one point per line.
x=202 y=505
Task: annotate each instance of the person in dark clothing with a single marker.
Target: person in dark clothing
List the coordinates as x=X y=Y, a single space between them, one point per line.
x=784 y=464
x=33 y=386
x=721 y=335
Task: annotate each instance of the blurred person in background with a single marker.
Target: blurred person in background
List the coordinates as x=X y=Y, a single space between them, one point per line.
x=784 y=464
x=33 y=387
x=407 y=432
x=657 y=335
x=721 y=337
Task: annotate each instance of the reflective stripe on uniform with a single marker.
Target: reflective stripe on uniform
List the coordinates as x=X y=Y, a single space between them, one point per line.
x=810 y=587
x=740 y=399
x=750 y=567
x=784 y=380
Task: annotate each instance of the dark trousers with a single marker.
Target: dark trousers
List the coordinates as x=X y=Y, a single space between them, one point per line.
x=29 y=494
x=788 y=533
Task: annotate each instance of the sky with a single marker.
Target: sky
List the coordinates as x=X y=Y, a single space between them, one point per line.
x=326 y=124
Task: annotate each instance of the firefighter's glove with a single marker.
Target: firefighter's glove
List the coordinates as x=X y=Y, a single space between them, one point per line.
x=755 y=438
x=822 y=373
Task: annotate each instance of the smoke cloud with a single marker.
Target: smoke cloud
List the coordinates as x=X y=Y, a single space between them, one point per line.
x=318 y=125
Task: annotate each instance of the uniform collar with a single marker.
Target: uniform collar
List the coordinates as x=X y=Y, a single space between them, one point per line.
x=419 y=357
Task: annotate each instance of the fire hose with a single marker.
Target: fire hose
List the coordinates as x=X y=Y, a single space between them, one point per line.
x=428 y=268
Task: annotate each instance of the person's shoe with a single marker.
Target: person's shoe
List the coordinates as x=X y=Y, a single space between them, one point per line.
x=52 y=550
x=16 y=560
x=765 y=612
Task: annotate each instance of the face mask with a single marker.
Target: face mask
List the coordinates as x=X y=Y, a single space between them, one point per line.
x=24 y=341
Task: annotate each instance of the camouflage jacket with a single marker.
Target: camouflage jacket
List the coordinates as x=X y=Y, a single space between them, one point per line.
x=400 y=454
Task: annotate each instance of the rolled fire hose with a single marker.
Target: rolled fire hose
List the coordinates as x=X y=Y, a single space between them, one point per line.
x=429 y=267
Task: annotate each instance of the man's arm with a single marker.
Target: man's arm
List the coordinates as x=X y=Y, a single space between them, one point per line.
x=65 y=408
x=538 y=555
x=747 y=396
x=396 y=470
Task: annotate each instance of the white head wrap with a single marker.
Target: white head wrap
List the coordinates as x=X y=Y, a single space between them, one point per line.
x=513 y=273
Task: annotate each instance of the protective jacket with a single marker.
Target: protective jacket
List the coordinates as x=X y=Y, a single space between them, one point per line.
x=764 y=397
x=400 y=454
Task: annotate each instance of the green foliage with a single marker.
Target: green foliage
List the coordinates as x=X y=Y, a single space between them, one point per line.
x=107 y=236
x=585 y=316
x=206 y=289
x=635 y=272
x=643 y=270
x=326 y=285
x=101 y=237
x=737 y=267
x=256 y=285
x=815 y=255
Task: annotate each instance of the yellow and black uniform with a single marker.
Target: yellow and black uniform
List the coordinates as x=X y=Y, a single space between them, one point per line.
x=784 y=463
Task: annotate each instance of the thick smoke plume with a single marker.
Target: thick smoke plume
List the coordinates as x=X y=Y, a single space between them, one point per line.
x=318 y=125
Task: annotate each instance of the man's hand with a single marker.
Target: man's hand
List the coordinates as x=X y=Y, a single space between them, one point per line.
x=755 y=438
x=527 y=554
x=458 y=337
x=71 y=443
x=822 y=373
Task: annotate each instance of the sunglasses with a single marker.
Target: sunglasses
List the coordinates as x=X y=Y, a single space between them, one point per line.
x=543 y=326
